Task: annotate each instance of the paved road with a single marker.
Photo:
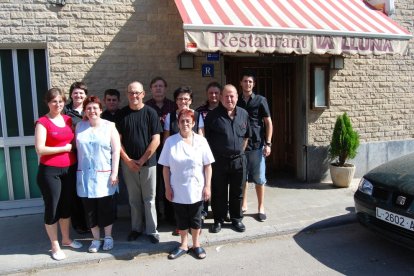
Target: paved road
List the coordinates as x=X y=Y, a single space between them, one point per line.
x=291 y=207
x=343 y=250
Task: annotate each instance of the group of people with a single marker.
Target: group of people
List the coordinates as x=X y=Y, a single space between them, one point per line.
x=174 y=161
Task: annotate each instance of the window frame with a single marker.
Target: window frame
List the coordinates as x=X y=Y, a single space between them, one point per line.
x=314 y=82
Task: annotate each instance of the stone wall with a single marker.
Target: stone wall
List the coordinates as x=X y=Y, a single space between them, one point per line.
x=377 y=92
x=107 y=43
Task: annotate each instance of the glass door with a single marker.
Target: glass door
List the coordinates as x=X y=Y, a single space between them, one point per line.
x=23 y=82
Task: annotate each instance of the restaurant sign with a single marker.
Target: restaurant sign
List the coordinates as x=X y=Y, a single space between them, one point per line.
x=286 y=43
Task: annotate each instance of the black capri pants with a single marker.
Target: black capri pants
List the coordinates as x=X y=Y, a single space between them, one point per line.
x=188 y=215
x=99 y=211
x=58 y=188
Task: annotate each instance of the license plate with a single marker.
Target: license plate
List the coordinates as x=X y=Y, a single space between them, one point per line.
x=401 y=221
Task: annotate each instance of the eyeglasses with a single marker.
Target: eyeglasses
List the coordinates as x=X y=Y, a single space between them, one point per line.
x=134 y=93
x=183 y=99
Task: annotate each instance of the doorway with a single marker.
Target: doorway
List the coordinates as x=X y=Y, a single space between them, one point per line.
x=275 y=81
x=23 y=82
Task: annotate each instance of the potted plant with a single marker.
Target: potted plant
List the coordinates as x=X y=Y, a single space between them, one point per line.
x=344 y=145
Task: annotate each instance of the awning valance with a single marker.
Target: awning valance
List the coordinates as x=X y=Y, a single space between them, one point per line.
x=290 y=26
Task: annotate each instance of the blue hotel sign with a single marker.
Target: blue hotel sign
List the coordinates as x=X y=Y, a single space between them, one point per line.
x=213 y=56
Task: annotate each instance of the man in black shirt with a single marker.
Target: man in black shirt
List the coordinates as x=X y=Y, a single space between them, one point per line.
x=140 y=128
x=111 y=100
x=213 y=90
x=227 y=130
x=259 y=146
x=163 y=106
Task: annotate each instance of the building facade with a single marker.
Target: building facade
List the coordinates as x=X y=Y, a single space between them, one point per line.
x=108 y=44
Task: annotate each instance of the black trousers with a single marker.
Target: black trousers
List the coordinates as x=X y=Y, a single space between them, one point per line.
x=58 y=190
x=229 y=176
x=78 y=215
x=99 y=211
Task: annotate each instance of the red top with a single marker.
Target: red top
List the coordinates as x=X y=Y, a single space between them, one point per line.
x=58 y=137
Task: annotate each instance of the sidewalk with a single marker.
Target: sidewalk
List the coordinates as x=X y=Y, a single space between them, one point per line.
x=290 y=208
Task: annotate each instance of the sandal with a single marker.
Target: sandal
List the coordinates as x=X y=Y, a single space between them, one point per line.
x=74 y=244
x=108 y=243
x=178 y=252
x=199 y=252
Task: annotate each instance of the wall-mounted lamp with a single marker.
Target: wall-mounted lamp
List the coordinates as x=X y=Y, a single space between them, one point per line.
x=337 y=62
x=57 y=2
x=186 y=60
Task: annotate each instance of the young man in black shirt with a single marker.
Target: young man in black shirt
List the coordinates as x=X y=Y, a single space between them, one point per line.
x=259 y=146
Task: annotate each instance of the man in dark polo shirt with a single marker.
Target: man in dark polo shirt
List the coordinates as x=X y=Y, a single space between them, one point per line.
x=227 y=130
x=259 y=146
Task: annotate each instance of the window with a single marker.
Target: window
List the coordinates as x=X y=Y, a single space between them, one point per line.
x=319 y=86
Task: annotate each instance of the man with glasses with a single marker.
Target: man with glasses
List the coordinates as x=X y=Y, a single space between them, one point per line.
x=140 y=128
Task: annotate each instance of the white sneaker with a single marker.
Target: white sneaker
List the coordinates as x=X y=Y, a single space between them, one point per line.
x=94 y=246
x=58 y=255
x=108 y=243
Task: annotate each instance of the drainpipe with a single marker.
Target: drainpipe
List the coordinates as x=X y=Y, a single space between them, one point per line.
x=305 y=151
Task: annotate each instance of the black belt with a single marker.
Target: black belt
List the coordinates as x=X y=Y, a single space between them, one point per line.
x=233 y=156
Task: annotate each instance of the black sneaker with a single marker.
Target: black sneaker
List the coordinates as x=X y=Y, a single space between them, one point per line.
x=133 y=235
x=154 y=239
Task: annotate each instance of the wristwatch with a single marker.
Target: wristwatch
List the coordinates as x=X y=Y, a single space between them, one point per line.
x=269 y=144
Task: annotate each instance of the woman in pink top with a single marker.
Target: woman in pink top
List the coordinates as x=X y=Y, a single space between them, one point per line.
x=56 y=176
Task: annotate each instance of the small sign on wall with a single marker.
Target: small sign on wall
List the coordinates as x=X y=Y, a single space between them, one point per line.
x=213 y=56
x=207 y=70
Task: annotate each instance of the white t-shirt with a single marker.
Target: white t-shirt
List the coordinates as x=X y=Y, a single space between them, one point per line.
x=186 y=163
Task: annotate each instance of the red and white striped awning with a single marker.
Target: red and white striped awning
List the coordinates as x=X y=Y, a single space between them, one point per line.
x=286 y=26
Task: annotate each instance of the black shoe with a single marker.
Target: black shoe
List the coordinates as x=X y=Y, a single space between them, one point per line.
x=227 y=219
x=154 y=239
x=238 y=226
x=133 y=235
x=262 y=217
x=216 y=227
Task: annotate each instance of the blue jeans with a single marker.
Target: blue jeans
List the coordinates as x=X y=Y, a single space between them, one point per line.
x=256 y=167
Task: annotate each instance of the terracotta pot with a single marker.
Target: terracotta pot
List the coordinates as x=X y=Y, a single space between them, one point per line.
x=342 y=176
